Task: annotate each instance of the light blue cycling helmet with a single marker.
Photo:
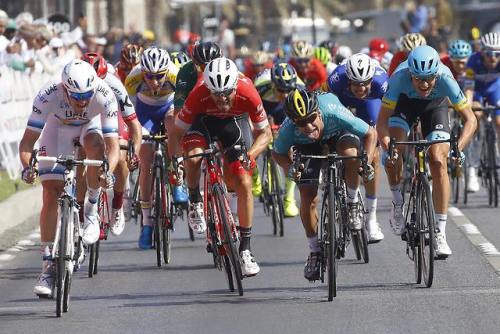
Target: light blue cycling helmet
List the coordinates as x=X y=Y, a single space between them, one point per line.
x=459 y=49
x=423 y=61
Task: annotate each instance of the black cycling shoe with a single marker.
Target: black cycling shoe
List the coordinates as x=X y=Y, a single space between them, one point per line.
x=311 y=270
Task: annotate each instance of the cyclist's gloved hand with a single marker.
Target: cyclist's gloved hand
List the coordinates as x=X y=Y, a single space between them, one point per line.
x=368 y=174
x=176 y=177
x=249 y=164
x=295 y=173
x=133 y=162
x=458 y=161
x=29 y=175
x=107 y=180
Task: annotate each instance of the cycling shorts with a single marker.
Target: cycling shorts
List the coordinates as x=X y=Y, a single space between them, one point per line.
x=151 y=117
x=433 y=116
x=228 y=131
x=311 y=173
x=58 y=140
x=122 y=128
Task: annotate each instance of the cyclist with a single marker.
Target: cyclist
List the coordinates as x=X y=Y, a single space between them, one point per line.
x=459 y=52
x=130 y=56
x=179 y=58
x=273 y=87
x=331 y=46
x=325 y=57
x=151 y=87
x=484 y=68
x=80 y=106
x=214 y=110
x=309 y=69
x=343 y=52
x=360 y=84
x=256 y=64
x=407 y=43
x=128 y=125
x=315 y=120
x=379 y=50
x=421 y=87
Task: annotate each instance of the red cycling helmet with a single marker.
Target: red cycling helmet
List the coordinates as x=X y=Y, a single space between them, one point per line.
x=378 y=47
x=131 y=55
x=98 y=63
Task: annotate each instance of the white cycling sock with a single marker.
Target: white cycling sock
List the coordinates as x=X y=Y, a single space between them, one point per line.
x=146 y=212
x=441 y=222
x=352 y=195
x=371 y=206
x=397 y=196
x=314 y=244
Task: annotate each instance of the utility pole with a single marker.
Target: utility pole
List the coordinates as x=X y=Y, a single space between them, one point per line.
x=313 y=16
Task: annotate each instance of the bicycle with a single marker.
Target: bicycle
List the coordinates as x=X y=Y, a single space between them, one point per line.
x=272 y=193
x=334 y=233
x=456 y=172
x=68 y=235
x=419 y=217
x=222 y=234
x=488 y=168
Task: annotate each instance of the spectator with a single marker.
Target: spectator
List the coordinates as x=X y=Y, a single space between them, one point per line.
x=435 y=38
x=226 y=40
x=415 y=17
x=444 y=17
x=4 y=18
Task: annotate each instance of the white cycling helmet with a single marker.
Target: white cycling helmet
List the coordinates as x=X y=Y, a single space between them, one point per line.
x=343 y=52
x=78 y=76
x=221 y=74
x=491 y=41
x=155 y=60
x=360 y=67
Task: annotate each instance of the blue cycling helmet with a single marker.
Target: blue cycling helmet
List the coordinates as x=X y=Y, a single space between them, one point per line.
x=459 y=49
x=423 y=61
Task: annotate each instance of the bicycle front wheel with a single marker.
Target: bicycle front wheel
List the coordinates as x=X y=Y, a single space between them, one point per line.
x=278 y=209
x=229 y=238
x=61 y=271
x=330 y=241
x=426 y=228
x=157 y=214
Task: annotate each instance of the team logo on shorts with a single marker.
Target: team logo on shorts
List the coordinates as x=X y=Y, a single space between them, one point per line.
x=439 y=126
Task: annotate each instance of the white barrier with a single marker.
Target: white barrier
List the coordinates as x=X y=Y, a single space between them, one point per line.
x=17 y=90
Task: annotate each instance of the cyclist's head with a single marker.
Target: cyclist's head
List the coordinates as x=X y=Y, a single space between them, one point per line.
x=221 y=77
x=179 y=58
x=284 y=77
x=459 y=49
x=378 y=47
x=323 y=55
x=301 y=106
x=205 y=52
x=423 y=61
x=410 y=41
x=329 y=45
x=260 y=58
x=491 y=49
x=97 y=62
x=360 y=69
x=302 y=52
x=343 y=52
x=155 y=60
x=130 y=55
x=80 y=81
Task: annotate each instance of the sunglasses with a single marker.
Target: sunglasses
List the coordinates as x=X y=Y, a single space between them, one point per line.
x=155 y=76
x=301 y=123
x=491 y=53
x=224 y=93
x=81 y=96
x=362 y=84
x=302 y=60
x=427 y=79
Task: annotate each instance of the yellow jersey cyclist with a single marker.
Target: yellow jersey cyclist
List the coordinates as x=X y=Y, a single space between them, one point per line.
x=80 y=106
x=151 y=87
x=315 y=120
x=273 y=86
x=421 y=87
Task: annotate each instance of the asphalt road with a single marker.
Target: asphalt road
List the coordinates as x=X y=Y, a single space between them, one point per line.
x=131 y=295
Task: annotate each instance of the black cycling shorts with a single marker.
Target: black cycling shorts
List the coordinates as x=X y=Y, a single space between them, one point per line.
x=433 y=114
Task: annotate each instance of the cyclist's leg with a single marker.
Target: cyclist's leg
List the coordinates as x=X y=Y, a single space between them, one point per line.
x=493 y=97
x=121 y=175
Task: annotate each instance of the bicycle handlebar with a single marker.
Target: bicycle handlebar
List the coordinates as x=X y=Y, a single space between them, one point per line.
x=67 y=162
x=422 y=143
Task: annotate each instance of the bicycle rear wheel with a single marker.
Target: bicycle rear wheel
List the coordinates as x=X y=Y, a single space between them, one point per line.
x=426 y=227
x=465 y=170
x=229 y=239
x=167 y=223
x=330 y=242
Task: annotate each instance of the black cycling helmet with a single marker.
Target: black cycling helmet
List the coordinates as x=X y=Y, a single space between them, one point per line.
x=205 y=52
x=284 y=77
x=328 y=44
x=300 y=103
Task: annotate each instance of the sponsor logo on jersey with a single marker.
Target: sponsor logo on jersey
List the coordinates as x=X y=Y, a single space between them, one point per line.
x=36 y=110
x=51 y=89
x=103 y=90
x=111 y=114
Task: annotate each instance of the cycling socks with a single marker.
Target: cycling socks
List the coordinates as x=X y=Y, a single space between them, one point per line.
x=46 y=250
x=397 y=196
x=441 y=222
x=314 y=244
x=90 y=206
x=117 y=200
x=352 y=195
x=371 y=205
x=245 y=235
x=146 y=212
x=195 y=195
x=233 y=204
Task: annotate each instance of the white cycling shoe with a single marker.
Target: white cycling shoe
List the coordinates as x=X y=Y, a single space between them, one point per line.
x=374 y=232
x=441 y=246
x=91 y=230
x=196 y=218
x=45 y=282
x=118 y=224
x=473 y=184
x=249 y=266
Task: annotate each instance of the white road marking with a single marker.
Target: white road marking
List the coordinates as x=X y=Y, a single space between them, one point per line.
x=475 y=236
x=26 y=242
x=6 y=257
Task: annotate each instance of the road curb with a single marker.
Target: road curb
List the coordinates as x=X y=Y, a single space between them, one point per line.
x=487 y=249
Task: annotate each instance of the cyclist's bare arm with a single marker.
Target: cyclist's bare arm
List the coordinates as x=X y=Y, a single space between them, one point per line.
x=283 y=160
x=470 y=125
x=370 y=143
x=26 y=146
x=262 y=139
x=135 y=131
x=383 y=127
x=112 y=152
